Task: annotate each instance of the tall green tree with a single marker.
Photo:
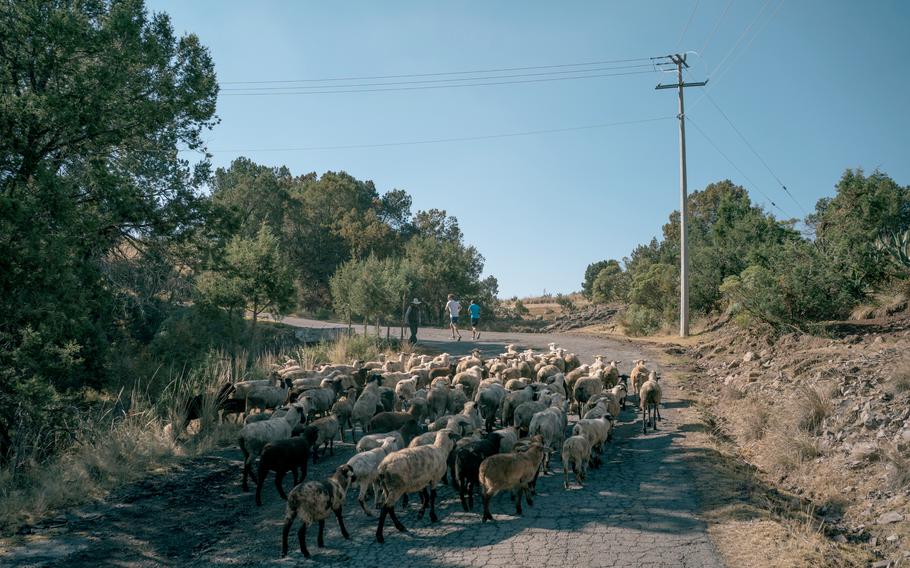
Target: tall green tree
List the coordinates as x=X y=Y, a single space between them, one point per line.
x=96 y=100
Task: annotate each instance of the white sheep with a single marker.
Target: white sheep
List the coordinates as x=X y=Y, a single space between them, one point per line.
x=576 y=451
x=365 y=408
x=649 y=402
x=548 y=423
x=365 y=467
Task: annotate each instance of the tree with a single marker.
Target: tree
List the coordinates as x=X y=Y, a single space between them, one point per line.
x=611 y=283
x=591 y=273
x=96 y=100
x=848 y=226
x=254 y=277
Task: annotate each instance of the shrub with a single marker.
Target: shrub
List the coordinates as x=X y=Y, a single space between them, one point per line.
x=638 y=320
x=797 y=287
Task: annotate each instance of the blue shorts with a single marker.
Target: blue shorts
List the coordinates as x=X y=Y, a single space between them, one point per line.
x=474 y=322
x=454 y=319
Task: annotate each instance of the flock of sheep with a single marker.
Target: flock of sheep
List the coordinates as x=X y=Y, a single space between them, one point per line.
x=426 y=419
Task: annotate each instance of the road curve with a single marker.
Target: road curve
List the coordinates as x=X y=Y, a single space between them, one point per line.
x=638 y=509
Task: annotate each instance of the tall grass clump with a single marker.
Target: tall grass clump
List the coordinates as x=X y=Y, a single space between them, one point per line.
x=87 y=450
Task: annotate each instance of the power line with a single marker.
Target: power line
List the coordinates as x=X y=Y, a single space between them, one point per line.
x=721 y=152
x=454 y=139
x=440 y=73
x=452 y=80
x=754 y=151
x=425 y=87
x=741 y=36
x=746 y=48
x=716 y=27
x=688 y=22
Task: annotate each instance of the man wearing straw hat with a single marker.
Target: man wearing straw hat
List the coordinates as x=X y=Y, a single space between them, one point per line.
x=412 y=318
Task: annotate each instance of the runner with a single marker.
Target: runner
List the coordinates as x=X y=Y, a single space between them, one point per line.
x=475 y=319
x=453 y=307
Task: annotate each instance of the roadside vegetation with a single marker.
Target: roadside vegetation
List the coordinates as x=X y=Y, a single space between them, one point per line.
x=132 y=272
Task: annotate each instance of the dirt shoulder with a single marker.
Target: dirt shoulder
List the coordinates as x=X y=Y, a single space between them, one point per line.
x=802 y=442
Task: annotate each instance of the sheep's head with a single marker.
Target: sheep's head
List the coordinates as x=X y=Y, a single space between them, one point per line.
x=344 y=475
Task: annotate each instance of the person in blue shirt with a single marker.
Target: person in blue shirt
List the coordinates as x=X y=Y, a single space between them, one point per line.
x=475 y=319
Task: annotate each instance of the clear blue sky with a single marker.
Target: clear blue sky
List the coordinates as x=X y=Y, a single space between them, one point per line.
x=815 y=86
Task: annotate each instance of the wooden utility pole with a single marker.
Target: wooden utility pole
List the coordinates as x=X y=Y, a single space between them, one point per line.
x=680 y=61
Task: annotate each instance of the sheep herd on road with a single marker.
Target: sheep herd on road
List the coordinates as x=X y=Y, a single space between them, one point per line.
x=423 y=420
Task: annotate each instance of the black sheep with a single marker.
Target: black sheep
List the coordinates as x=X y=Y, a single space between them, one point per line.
x=283 y=455
x=467 y=466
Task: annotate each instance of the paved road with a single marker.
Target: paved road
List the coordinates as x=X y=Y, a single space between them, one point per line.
x=637 y=510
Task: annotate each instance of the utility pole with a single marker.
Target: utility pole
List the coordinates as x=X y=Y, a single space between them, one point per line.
x=680 y=61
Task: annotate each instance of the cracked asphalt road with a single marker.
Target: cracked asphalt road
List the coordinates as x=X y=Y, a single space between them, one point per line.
x=638 y=509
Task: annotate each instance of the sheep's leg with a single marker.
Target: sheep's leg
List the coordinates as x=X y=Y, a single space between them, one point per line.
x=565 y=472
x=471 y=489
x=379 y=537
x=395 y=520
x=657 y=410
x=279 y=484
x=288 y=521
x=247 y=471
x=462 y=493
x=332 y=447
x=296 y=475
x=320 y=542
x=518 y=495
x=528 y=498
x=433 y=517
x=404 y=501
x=301 y=536
x=424 y=501
x=315 y=452
x=486 y=508
x=344 y=530
x=361 y=498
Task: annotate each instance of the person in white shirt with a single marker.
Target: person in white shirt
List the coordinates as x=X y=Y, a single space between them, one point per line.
x=453 y=307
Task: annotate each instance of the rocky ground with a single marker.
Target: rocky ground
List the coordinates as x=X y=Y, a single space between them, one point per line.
x=826 y=419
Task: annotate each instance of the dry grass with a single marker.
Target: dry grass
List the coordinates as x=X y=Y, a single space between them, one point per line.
x=751 y=420
x=897 y=465
x=810 y=408
x=116 y=442
x=900 y=379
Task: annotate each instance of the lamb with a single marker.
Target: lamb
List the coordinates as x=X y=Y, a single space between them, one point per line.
x=329 y=429
x=611 y=375
x=313 y=501
x=549 y=425
x=283 y=455
x=467 y=466
x=365 y=407
x=365 y=468
x=412 y=470
x=637 y=375
x=649 y=402
x=576 y=451
x=619 y=394
x=597 y=431
x=254 y=437
x=515 y=471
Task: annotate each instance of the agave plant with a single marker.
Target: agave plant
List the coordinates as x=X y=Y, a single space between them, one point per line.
x=897 y=246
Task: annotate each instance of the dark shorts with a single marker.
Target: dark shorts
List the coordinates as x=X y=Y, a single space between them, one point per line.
x=453 y=319
x=474 y=322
